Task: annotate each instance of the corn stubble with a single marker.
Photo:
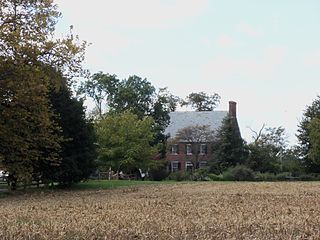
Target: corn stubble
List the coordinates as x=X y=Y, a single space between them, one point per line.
x=177 y=211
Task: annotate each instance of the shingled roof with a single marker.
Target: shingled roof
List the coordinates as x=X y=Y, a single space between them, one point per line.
x=179 y=120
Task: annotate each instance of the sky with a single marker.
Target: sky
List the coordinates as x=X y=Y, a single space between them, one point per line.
x=265 y=55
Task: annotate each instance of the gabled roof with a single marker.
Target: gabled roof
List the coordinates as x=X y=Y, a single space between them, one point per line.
x=179 y=120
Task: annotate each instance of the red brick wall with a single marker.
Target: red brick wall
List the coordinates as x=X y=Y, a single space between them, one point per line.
x=182 y=157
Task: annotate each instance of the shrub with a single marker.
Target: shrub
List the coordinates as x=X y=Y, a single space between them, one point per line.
x=265 y=176
x=239 y=173
x=158 y=170
x=180 y=176
x=215 y=177
x=201 y=175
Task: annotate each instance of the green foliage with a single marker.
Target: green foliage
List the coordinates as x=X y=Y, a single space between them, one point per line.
x=29 y=137
x=158 y=170
x=124 y=141
x=314 y=150
x=133 y=94
x=290 y=162
x=215 y=177
x=229 y=148
x=267 y=150
x=202 y=101
x=303 y=135
x=100 y=87
x=200 y=174
x=78 y=149
x=239 y=173
x=180 y=176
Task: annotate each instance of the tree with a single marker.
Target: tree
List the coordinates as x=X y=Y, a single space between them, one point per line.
x=268 y=149
x=100 y=87
x=195 y=136
x=124 y=141
x=229 y=148
x=134 y=94
x=78 y=150
x=163 y=103
x=202 y=101
x=303 y=135
x=314 y=151
x=28 y=134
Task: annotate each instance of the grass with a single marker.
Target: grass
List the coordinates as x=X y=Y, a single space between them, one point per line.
x=110 y=184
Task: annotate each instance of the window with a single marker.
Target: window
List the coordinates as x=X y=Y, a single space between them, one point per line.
x=203 y=149
x=175 y=166
x=174 y=149
x=189 y=166
x=189 y=149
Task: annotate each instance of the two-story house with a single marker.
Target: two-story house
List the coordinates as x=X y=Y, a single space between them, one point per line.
x=186 y=154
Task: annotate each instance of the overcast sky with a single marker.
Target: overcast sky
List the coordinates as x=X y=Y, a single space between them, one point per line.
x=263 y=54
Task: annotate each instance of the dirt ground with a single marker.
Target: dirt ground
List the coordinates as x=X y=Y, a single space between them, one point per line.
x=212 y=210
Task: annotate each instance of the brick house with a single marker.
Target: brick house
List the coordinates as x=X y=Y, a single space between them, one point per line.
x=186 y=155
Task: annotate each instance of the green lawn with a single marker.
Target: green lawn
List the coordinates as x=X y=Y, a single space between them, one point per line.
x=107 y=184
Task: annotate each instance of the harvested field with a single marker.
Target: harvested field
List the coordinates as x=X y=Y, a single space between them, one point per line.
x=170 y=211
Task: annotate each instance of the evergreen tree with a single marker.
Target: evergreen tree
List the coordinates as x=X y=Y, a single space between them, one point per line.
x=228 y=148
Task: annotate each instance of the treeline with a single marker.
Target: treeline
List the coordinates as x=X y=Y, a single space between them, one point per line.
x=46 y=137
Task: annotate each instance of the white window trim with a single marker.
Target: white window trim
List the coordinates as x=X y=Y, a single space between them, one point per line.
x=190 y=148
x=176 y=149
x=201 y=152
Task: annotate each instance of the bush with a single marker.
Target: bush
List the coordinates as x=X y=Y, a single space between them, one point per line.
x=158 y=170
x=239 y=173
x=265 y=176
x=215 y=177
x=201 y=175
x=180 y=176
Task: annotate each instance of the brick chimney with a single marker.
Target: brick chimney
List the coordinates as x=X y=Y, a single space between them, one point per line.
x=232 y=109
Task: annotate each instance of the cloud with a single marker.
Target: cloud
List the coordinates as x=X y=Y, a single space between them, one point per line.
x=249 y=30
x=312 y=59
x=226 y=41
x=226 y=68
x=132 y=14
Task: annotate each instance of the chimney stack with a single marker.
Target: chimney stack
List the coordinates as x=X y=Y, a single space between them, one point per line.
x=232 y=109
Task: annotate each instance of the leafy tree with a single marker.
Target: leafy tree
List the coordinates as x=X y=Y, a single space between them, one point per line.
x=163 y=103
x=303 y=135
x=124 y=141
x=202 y=101
x=267 y=149
x=290 y=162
x=28 y=134
x=134 y=94
x=194 y=135
x=100 y=87
x=229 y=148
x=78 y=151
